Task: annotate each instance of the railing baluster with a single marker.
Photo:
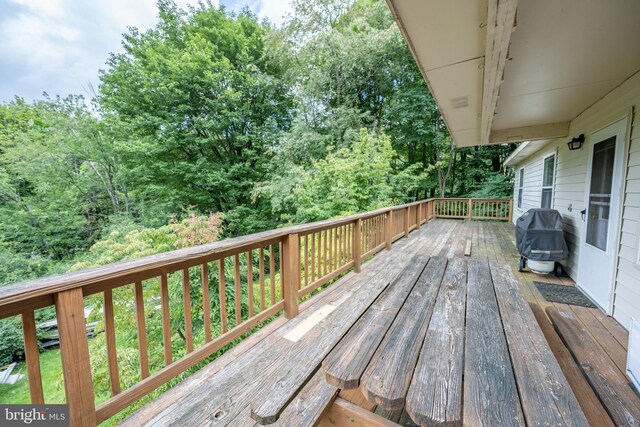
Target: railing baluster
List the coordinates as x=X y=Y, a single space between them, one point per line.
x=327 y=243
x=74 y=352
x=222 y=294
x=282 y=269
x=166 y=320
x=142 y=330
x=306 y=260
x=272 y=274
x=32 y=357
x=313 y=257
x=344 y=245
x=336 y=248
x=250 y=281
x=110 y=335
x=389 y=230
x=331 y=248
x=186 y=300
x=261 y=274
x=406 y=222
x=238 y=290
x=206 y=301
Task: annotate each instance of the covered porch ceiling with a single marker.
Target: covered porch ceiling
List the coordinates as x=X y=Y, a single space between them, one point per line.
x=519 y=70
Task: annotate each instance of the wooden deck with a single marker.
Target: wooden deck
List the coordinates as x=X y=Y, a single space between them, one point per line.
x=363 y=350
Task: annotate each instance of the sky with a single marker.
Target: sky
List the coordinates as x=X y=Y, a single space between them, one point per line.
x=58 y=46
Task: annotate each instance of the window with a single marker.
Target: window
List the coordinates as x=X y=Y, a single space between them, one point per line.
x=547 y=182
x=520 y=187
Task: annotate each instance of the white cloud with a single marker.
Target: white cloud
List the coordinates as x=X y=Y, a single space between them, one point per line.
x=274 y=10
x=58 y=46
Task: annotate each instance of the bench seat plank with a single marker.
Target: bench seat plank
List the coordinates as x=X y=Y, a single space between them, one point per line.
x=606 y=379
x=435 y=394
x=546 y=396
x=490 y=393
x=345 y=364
x=386 y=380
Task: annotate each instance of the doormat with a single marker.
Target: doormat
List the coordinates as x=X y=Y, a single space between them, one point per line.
x=563 y=294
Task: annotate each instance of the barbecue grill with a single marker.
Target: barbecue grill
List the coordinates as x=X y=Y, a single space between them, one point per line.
x=540 y=241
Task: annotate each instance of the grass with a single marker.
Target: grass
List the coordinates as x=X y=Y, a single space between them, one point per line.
x=51 y=369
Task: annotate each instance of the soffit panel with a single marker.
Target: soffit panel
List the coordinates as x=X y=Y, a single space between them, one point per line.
x=444 y=32
x=456 y=82
x=565 y=56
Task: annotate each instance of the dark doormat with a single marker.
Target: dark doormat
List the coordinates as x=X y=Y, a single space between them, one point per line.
x=563 y=294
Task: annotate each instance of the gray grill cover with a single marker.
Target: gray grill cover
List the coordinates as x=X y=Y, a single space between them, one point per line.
x=539 y=235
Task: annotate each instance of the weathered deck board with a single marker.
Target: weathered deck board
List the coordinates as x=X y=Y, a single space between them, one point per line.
x=610 y=345
x=309 y=404
x=606 y=379
x=344 y=366
x=283 y=382
x=435 y=394
x=490 y=393
x=545 y=395
x=589 y=402
x=385 y=381
x=619 y=333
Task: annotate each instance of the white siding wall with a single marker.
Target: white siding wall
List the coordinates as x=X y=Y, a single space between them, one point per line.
x=570 y=187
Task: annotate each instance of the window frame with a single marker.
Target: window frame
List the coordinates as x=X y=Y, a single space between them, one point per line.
x=520 y=191
x=553 y=179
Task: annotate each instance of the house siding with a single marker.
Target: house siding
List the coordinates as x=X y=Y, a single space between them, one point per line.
x=570 y=188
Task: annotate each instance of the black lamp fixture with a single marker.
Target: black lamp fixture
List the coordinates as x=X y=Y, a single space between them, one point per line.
x=576 y=143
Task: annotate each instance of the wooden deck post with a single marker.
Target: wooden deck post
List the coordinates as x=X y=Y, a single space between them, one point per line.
x=418 y=215
x=406 y=221
x=469 y=208
x=388 y=232
x=74 y=351
x=357 y=237
x=290 y=274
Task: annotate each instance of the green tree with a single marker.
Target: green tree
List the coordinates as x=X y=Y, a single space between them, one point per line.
x=346 y=181
x=204 y=105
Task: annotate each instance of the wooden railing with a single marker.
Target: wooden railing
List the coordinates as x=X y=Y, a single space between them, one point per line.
x=479 y=209
x=251 y=279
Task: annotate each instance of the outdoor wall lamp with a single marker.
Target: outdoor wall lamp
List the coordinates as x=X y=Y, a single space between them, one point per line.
x=576 y=143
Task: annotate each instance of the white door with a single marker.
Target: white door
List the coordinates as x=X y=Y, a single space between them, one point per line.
x=602 y=217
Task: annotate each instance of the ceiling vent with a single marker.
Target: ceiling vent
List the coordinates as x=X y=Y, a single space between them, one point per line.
x=460 y=102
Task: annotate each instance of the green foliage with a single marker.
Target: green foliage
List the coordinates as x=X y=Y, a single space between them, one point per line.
x=495 y=186
x=205 y=106
x=11 y=346
x=346 y=181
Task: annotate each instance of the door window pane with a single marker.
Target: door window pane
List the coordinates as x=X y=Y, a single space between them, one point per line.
x=600 y=193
